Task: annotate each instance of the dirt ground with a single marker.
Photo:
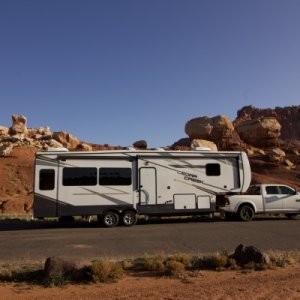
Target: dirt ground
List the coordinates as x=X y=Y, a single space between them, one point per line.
x=282 y=283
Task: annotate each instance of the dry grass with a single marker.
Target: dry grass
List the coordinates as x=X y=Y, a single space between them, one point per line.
x=176 y=266
x=104 y=270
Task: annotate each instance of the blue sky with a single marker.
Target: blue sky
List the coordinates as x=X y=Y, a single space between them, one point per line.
x=116 y=71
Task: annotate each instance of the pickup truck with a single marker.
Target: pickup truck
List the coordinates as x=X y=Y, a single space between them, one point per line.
x=263 y=199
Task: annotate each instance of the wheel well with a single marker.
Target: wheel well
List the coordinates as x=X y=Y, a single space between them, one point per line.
x=246 y=204
x=119 y=211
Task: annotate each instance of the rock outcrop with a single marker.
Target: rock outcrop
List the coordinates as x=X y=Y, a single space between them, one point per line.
x=19 y=125
x=219 y=130
x=262 y=132
x=40 y=138
x=288 y=117
x=198 y=143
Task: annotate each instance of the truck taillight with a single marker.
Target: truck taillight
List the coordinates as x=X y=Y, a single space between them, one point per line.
x=226 y=201
x=222 y=201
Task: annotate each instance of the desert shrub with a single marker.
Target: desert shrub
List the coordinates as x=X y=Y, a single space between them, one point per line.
x=183 y=258
x=58 y=279
x=155 y=263
x=174 y=268
x=231 y=263
x=216 y=262
x=282 y=258
x=128 y=264
x=106 y=271
x=6 y=275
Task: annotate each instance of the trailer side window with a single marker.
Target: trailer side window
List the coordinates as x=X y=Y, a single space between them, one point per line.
x=115 y=176
x=79 y=176
x=47 y=179
x=213 y=170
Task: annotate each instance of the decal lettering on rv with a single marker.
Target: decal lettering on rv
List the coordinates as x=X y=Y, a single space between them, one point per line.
x=189 y=176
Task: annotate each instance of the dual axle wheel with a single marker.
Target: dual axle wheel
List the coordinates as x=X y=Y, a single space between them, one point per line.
x=112 y=219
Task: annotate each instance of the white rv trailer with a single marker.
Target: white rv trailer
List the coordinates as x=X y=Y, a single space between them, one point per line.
x=118 y=185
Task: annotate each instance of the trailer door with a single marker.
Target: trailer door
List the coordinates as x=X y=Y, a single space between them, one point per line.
x=148 y=186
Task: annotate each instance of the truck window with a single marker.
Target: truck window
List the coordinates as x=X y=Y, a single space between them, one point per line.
x=286 y=190
x=213 y=170
x=79 y=176
x=47 y=177
x=253 y=190
x=115 y=176
x=272 y=190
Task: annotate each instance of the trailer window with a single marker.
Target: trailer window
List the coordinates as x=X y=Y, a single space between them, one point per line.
x=213 y=170
x=47 y=177
x=115 y=176
x=79 y=176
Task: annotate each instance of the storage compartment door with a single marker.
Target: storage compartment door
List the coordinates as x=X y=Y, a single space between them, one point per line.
x=185 y=201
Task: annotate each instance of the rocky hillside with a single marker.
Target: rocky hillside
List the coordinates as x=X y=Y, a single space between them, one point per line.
x=271 y=138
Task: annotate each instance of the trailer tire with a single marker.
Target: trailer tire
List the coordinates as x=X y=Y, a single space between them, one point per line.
x=129 y=218
x=110 y=219
x=246 y=213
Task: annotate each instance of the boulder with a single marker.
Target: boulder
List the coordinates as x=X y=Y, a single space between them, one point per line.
x=41 y=132
x=5 y=150
x=4 y=130
x=289 y=164
x=204 y=143
x=67 y=140
x=57 y=266
x=54 y=144
x=199 y=128
x=276 y=155
x=141 y=144
x=184 y=142
x=288 y=117
x=262 y=132
x=247 y=254
x=84 y=147
x=19 y=125
x=219 y=130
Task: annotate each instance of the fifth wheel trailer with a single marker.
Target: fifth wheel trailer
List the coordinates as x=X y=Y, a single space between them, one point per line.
x=118 y=185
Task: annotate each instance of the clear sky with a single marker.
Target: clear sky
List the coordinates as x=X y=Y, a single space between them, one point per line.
x=116 y=71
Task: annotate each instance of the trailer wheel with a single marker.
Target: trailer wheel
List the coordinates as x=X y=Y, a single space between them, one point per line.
x=129 y=218
x=246 y=213
x=110 y=219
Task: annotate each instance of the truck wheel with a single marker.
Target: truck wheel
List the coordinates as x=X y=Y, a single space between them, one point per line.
x=110 y=219
x=291 y=216
x=246 y=213
x=129 y=218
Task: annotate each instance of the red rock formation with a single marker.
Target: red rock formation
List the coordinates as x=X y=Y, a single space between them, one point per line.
x=288 y=117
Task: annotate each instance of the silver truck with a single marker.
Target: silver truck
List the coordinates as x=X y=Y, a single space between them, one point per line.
x=263 y=199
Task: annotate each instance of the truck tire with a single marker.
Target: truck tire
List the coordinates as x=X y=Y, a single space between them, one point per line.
x=110 y=219
x=246 y=213
x=129 y=218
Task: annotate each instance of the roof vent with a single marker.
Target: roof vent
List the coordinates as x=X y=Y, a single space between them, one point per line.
x=61 y=149
x=201 y=148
